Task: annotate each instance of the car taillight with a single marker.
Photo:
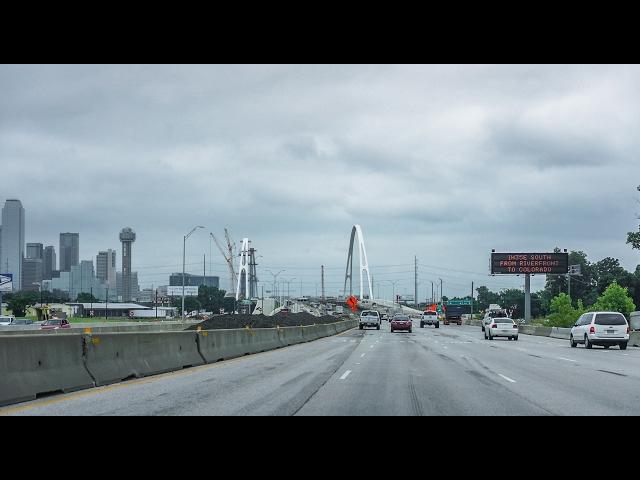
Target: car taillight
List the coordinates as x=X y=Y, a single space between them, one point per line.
x=493 y=325
x=628 y=330
x=592 y=329
x=515 y=326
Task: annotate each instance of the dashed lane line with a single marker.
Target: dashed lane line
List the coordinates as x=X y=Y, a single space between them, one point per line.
x=507 y=378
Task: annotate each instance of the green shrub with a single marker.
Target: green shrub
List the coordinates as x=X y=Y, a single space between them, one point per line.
x=614 y=299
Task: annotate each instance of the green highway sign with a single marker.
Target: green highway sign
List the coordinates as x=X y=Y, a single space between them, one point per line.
x=458 y=302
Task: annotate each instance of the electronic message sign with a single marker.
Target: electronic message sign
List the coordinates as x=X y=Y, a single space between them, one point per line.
x=533 y=263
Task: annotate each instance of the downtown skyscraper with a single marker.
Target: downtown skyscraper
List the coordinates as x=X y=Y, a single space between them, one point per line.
x=13 y=242
x=69 y=251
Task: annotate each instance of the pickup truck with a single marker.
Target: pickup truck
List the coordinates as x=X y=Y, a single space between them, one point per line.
x=370 y=318
x=429 y=318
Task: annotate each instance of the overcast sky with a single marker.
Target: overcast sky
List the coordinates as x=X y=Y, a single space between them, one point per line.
x=442 y=162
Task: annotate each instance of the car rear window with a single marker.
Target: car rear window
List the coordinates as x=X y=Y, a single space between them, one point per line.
x=610 y=319
x=369 y=314
x=502 y=320
x=402 y=318
x=432 y=314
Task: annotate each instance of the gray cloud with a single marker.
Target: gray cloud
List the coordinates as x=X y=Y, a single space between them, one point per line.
x=443 y=162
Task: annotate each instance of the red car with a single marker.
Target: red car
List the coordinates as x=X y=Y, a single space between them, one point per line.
x=55 y=324
x=401 y=322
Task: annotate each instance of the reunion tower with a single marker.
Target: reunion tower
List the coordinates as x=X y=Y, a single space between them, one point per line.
x=127 y=237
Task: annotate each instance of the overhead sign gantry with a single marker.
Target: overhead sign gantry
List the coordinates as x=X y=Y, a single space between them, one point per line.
x=527 y=264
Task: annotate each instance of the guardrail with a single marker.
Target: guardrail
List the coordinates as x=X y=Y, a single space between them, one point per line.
x=31 y=365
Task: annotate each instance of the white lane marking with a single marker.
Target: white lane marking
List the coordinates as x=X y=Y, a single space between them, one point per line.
x=446 y=348
x=507 y=378
x=362 y=356
x=346 y=374
x=358 y=363
x=371 y=346
x=568 y=359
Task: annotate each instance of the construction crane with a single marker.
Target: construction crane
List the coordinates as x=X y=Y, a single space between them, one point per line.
x=228 y=257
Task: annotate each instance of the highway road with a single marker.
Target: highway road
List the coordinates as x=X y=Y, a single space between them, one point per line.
x=447 y=371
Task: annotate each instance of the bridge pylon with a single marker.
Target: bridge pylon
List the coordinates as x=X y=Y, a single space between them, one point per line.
x=356 y=231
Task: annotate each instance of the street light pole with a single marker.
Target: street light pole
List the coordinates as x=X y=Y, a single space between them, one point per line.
x=274 y=292
x=184 y=261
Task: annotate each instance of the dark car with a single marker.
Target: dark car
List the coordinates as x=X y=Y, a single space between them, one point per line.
x=22 y=321
x=401 y=322
x=55 y=324
x=453 y=314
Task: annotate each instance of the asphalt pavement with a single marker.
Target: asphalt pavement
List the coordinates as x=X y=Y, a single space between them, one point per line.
x=447 y=371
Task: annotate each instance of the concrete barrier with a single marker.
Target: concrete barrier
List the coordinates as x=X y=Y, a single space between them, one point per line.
x=527 y=329
x=557 y=332
x=291 y=336
x=216 y=345
x=113 y=357
x=634 y=339
x=78 y=328
x=36 y=364
x=33 y=365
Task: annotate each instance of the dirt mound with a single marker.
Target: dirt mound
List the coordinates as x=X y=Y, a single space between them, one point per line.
x=262 y=321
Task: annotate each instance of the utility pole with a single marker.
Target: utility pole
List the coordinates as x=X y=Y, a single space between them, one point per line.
x=156 y=305
x=441 y=291
x=471 y=300
x=322 y=280
x=415 y=298
x=106 y=305
x=204 y=274
x=432 y=297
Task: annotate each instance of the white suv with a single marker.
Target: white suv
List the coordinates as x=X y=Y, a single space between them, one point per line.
x=601 y=328
x=5 y=321
x=370 y=318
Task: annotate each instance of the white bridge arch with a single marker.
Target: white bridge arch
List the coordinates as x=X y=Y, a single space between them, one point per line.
x=364 y=265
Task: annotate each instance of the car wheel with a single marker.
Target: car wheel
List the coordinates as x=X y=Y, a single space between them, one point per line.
x=360 y=327
x=510 y=338
x=483 y=328
x=587 y=343
x=410 y=331
x=515 y=338
x=573 y=343
x=490 y=336
x=606 y=347
x=421 y=325
x=392 y=330
x=437 y=325
x=623 y=346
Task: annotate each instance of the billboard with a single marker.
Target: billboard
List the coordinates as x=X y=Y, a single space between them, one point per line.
x=533 y=263
x=6 y=282
x=177 y=291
